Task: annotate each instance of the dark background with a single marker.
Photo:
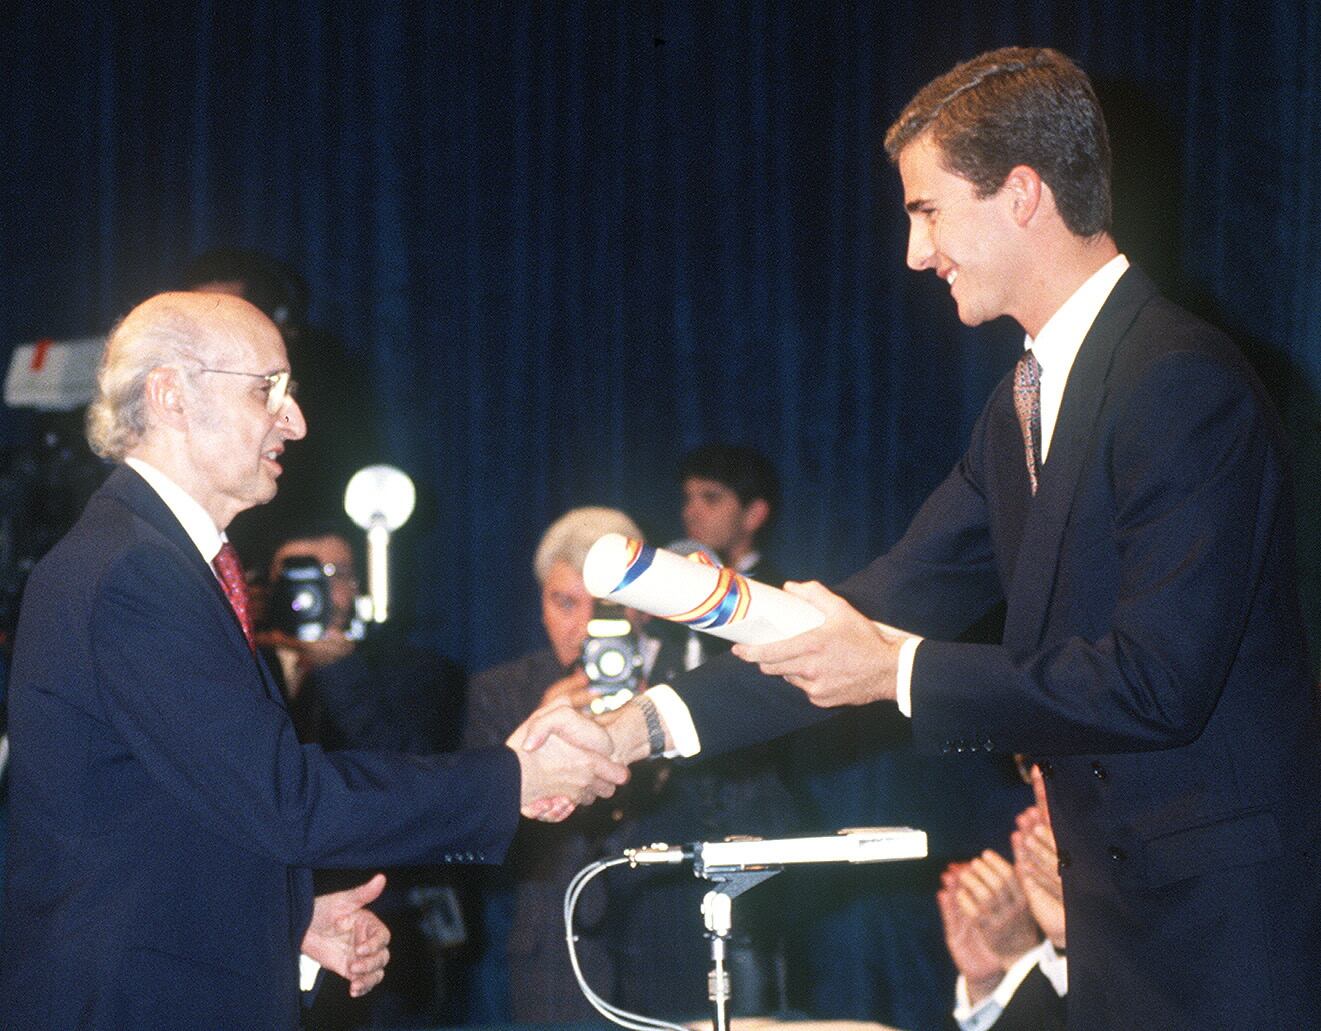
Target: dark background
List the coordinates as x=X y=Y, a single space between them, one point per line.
x=565 y=242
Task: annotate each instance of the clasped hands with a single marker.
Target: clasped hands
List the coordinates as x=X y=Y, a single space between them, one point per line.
x=349 y=939
x=566 y=759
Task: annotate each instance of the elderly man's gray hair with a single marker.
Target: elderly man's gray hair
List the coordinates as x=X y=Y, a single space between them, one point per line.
x=165 y=335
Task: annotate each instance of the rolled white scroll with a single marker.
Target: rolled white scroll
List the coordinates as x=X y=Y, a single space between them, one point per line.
x=716 y=600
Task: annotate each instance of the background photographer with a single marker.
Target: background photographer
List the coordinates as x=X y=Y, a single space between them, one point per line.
x=349 y=691
x=524 y=899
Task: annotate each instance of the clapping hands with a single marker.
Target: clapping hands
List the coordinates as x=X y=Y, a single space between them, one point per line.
x=994 y=912
x=1037 y=865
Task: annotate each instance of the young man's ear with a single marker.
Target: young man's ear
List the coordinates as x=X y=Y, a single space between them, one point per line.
x=755 y=515
x=1024 y=187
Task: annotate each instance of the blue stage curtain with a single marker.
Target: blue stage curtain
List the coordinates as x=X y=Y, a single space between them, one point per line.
x=566 y=242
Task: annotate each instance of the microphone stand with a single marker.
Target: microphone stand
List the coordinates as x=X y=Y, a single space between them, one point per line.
x=718 y=917
x=733 y=866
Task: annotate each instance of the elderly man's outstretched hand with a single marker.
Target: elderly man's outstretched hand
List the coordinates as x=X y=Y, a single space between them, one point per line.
x=565 y=761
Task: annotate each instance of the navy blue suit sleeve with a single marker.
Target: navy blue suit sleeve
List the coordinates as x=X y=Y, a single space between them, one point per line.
x=174 y=683
x=1149 y=604
x=939 y=579
x=1034 y=1006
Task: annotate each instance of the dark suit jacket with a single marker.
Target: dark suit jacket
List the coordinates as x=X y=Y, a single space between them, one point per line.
x=1152 y=658
x=1034 y=1006
x=164 y=818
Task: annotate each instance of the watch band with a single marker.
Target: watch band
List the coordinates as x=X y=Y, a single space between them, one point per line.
x=655 y=732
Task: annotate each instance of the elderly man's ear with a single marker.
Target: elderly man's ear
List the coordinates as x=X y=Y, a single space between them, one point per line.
x=165 y=396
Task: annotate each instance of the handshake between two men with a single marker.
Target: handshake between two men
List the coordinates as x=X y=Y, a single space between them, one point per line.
x=569 y=759
x=566 y=760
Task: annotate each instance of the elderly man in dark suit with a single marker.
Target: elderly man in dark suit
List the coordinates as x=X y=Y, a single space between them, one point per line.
x=1125 y=494
x=165 y=819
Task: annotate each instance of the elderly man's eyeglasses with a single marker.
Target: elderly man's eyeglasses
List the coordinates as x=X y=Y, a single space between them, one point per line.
x=279 y=386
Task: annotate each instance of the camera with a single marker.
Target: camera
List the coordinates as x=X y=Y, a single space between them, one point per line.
x=300 y=602
x=611 y=657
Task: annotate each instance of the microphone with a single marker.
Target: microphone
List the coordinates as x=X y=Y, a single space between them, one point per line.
x=686 y=546
x=734 y=867
x=852 y=845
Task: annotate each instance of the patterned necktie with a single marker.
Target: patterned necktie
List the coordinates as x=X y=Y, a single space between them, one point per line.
x=1027 y=404
x=230 y=570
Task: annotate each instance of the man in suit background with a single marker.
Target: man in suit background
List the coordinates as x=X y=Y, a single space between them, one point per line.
x=1125 y=495
x=164 y=818
x=347 y=687
x=523 y=902
x=730 y=498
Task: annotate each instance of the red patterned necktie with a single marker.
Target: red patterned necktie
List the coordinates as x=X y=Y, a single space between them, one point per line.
x=230 y=570
x=1027 y=405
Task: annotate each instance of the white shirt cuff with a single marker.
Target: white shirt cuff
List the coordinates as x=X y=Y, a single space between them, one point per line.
x=970 y=1017
x=1055 y=967
x=308 y=968
x=677 y=719
x=988 y=1010
x=903 y=686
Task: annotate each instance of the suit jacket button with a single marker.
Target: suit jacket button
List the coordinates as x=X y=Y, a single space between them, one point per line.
x=449 y=858
x=946 y=748
x=1117 y=853
x=1047 y=769
x=986 y=745
x=1099 y=771
x=1065 y=860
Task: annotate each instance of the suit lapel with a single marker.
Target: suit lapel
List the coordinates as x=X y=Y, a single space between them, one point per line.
x=132 y=490
x=1048 y=513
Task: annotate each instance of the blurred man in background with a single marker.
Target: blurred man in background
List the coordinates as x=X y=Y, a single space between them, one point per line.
x=348 y=688
x=524 y=900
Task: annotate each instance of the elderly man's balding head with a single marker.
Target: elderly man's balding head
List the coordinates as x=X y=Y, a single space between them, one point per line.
x=184 y=331
x=197 y=385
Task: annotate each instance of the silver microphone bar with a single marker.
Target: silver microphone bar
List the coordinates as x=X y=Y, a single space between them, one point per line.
x=852 y=845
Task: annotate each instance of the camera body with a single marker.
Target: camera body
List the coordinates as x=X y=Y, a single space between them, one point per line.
x=611 y=657
x=300 y=602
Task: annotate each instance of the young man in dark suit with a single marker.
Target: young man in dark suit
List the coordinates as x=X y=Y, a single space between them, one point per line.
x=1125 y=494
x=164 y=818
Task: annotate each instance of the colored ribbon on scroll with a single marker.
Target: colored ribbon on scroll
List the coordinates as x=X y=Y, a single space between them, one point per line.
x=694 y=591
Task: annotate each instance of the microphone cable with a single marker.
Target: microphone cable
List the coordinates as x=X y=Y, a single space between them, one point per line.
x=622 y=1017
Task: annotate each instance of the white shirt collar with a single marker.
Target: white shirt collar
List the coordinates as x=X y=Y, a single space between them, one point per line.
x=1056 y=346
x=195 y=520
